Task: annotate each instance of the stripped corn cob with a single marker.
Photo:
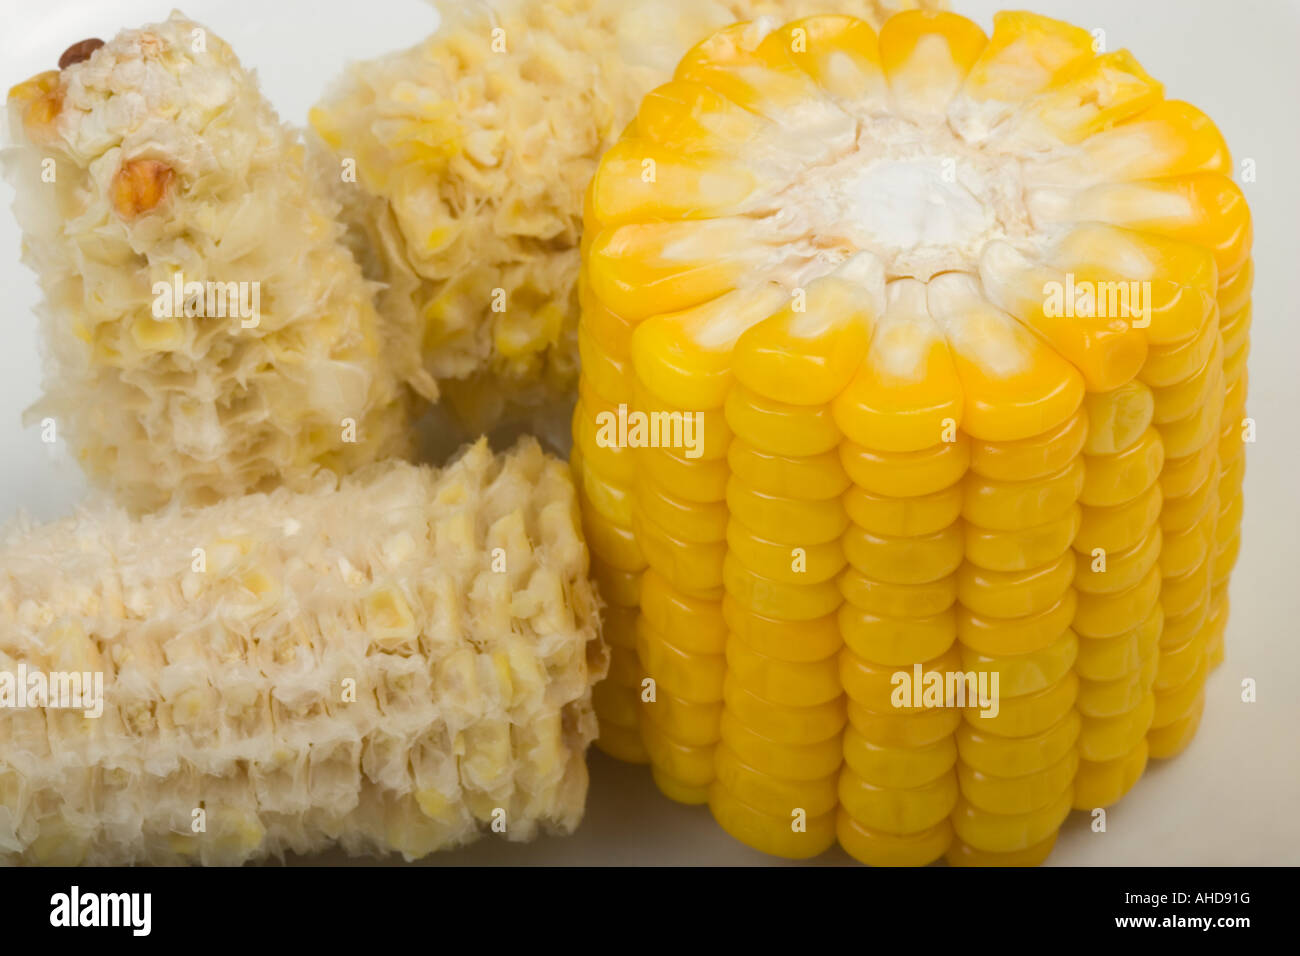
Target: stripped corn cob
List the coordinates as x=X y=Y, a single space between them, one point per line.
x=962 y=324
x=390 y=663
x=472 y=151
x=208 y=333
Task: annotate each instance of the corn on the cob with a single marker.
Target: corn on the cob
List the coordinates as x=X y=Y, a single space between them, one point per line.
x=391 y=662
x=843 y=252
x=472 y=151
x=208 y=332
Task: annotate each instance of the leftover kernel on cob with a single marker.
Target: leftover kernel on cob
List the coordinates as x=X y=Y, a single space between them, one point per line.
x=38 y=102
x=139 y=185
x=416 y=688
x=468 y=206
x=965 y=322
x=173 y=170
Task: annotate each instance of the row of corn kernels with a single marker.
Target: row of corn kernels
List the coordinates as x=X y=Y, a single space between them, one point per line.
x=604 y=474
x=1234 y=327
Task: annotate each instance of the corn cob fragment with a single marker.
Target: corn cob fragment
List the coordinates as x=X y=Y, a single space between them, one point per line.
x=208 y=332
x=468 y=203
x=395 y=661
x=947 y=309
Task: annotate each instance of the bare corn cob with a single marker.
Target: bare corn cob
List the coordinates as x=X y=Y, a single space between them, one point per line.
x=393 y=662
x=860 y=260
x=472 y=151
x=207 y=331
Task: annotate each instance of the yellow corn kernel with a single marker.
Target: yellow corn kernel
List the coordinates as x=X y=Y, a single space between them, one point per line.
x=622 y=743
x=781 y=562
x=907 y=386
x=773 y=795
x=1103 y=784
x=904 y=728
x=689 y=566
x=1020 y=794
x=1171 y=739
x=1011 y=594
x=1108 y=615
x=898 y=600
x=1179 y=664
x=1118 y=418
x=1022 y=674
x=992 y=753
x=1022 y=549
x=877 y=848
x=688 y=722
x=787 y=683
x=1123 y=569
x=962 y=854
x=1114 y=479
x=1178 y=630
x=794 y=640
x=699 y=521
x=1103 y=739
x=1016 y=505
x=805 y=761
x=1031 y=714
x=814 y=477
x=895 y=767
x=784 y=723
x=698 y=480
x=1118 y=696
x=771 y=833
x=904 y=517
x=898 y=810
x=897 y=640
x=1177 y=702
x=1009 y=832
x=1003 y=636
x=906 y=474
x=1119 y=527
x=874 y=688
x=684 y=673
x=1034 y=457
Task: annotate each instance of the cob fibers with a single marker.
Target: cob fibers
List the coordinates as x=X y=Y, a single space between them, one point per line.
x=207 y=332
x=471 y=164
x=455 y=604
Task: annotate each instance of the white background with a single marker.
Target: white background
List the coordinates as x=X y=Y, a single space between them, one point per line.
x=1234 y=796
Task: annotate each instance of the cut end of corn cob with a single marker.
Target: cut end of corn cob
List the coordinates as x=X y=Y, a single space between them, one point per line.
x=391 y=663
x=207 y=330
x=937 y=343
x=472 y=153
